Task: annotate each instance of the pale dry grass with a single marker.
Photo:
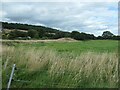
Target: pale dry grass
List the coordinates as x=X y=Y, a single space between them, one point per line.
x=89 y=67
x=36 y=41
x=97 y=67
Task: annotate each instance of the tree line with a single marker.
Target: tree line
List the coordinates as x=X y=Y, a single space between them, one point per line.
x=25 y=31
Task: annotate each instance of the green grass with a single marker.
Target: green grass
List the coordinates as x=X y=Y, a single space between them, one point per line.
x=84 y=64
x=78 y=47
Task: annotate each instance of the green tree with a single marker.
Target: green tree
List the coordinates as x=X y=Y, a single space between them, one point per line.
x=12 y=35
x=107 y=35
x=33 y=33
x=41 y=33
x=16 y=33
x=75 y=35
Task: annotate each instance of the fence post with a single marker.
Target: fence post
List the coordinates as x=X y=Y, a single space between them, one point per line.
x=10 y=79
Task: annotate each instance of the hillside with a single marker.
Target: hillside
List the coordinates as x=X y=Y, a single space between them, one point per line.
x=41 y=31
x=20 y=26
x=25 y=31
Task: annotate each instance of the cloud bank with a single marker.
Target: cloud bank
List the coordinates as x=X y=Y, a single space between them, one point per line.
x=89 y=17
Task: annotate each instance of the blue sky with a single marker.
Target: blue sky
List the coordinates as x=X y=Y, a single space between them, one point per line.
x=89 y=17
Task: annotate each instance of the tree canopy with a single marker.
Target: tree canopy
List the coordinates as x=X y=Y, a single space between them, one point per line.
x=107 y=34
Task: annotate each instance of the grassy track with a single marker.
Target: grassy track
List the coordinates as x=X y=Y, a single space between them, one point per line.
x=63 y=64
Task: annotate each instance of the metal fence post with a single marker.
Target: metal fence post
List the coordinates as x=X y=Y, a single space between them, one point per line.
x=9 y=83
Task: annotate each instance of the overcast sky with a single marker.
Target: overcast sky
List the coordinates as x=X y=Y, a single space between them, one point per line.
x=89 y=17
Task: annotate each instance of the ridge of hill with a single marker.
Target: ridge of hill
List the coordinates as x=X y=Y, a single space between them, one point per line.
x=27 y=31
x=6 y=25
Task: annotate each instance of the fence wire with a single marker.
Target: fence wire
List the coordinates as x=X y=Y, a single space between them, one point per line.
x=18 y=79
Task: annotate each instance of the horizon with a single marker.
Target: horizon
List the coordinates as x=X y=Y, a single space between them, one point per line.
x=65 y=16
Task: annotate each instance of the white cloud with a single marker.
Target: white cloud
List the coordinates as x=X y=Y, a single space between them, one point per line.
x=84 y=17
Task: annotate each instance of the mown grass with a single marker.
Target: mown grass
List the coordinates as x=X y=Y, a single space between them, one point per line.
x=89 y=64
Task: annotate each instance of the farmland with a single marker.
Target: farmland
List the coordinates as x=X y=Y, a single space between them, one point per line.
x=81 y=64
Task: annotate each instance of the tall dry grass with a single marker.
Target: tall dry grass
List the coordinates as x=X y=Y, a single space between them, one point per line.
x=89 y=69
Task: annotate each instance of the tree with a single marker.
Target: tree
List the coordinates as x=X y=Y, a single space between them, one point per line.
x=116 y=38
x=16 y=33
x=12 y=35
x=33 y=33
x=81 y=36
x=75 y=35
x=107 y=35
x=41 y=32
x=99 y=37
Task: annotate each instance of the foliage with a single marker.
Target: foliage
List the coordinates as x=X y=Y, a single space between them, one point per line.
x=107 y=34
x=42 y=32
x=15 y=34
x=33 y=33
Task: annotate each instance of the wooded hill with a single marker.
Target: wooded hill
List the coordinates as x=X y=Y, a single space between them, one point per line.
x=25 y=31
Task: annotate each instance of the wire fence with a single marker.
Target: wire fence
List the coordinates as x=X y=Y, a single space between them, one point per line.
x=19 y=72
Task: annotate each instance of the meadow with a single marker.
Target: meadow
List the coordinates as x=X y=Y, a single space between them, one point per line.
x=79 y=64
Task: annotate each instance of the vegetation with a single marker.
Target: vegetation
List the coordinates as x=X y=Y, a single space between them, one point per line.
x=107 y=34
x=23 y=31
x=82 y=36
x=83 y=64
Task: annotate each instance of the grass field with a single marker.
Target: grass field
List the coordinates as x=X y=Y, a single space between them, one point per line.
x=83 y=64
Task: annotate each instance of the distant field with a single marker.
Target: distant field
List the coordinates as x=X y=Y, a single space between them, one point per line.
x=62 y=64
x=73 y=46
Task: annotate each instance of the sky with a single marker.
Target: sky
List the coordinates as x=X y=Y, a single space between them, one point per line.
x=88 y=17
